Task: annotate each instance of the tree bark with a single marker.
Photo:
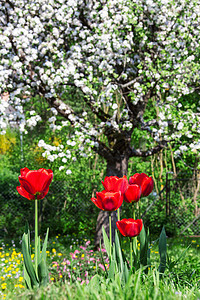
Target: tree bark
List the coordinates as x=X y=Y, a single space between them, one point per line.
x=115 y=167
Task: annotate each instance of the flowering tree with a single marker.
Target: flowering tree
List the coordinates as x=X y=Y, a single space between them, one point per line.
x=101 y=65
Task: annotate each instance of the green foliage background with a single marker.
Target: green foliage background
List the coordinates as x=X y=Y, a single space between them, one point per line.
x=67 y=207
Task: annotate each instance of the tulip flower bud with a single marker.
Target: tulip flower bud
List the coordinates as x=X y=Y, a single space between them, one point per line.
x=34 y=183
x=129 y=227
x=108 y=201
x=144 y=181
x=132 y=193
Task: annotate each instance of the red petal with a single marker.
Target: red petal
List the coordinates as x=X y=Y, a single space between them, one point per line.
x=110 y=201
x=130 y=227
x=39 y=180
x=48 y=180
x=101 y=195
x=110 y=183
x=120 y=201
x=121 y=225
x=109 y=204
x=137 y=178
x=104 y=182
x=133 y=227
x=122 y=184
x=27 y=186
x=44 y=193
x=97 y=203
x=133 y=193
x=24 y=193
x=24 y=171
x=147 y=186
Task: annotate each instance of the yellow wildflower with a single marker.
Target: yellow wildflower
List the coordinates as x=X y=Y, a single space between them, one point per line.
x=3 y=286
x=21 y=279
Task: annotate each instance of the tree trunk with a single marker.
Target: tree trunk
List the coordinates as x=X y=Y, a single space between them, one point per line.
x=116 y=167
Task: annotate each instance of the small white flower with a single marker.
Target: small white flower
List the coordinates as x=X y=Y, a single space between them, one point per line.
x=54 y=111
x=180 y=126
x=41 y=143
x=177 y=153
x=115 y=106
x=61 y=168
x=51 y=158
x=52 y=119
x=183 y=148
x=32 y=112
x=68 y=172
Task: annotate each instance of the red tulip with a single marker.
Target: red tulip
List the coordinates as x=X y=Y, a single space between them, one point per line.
x=132 y=193
x=122 y=184
x=144 y=181
x=34 y=183
x=109 y=183
x=115 y=184
x=108 y=201
x=129 y=227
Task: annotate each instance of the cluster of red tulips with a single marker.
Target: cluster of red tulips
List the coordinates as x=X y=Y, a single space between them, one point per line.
x=34 y=185
x=118 y=189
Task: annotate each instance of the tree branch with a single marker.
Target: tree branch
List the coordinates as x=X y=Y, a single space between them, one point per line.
x=125 y=85
x=63 y=109
x=146 y=125
x=98 y=112
x=102 y=149
x=154 y=150
x=10 y=3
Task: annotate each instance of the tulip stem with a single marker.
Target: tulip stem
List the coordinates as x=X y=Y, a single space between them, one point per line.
x=118 y=214
x=131 y=252
x=36 y=237
x=138 y=210
x=133 y=211
x=110 y=225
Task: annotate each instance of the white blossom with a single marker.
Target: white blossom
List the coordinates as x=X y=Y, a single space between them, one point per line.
x=68 y=172
x=180 y=126
x=61 y=168
x=55 y=54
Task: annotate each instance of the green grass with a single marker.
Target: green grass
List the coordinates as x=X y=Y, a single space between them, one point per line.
x=70 y=273
x=139 y=287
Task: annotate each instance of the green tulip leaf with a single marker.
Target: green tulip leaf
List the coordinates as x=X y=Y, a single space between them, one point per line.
x=148 y=249
x=111 y=272
x=95 y=282
x=27 y=233
x=119 y=257
x=143 y=247
x=162 y=251
x=103 y=260
x=42 y=272
x=42 y=267
x=27 y=278
x=28 y=263
x=44 y=248
x=114 y=253
x=106 y=241
x=126 y=272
